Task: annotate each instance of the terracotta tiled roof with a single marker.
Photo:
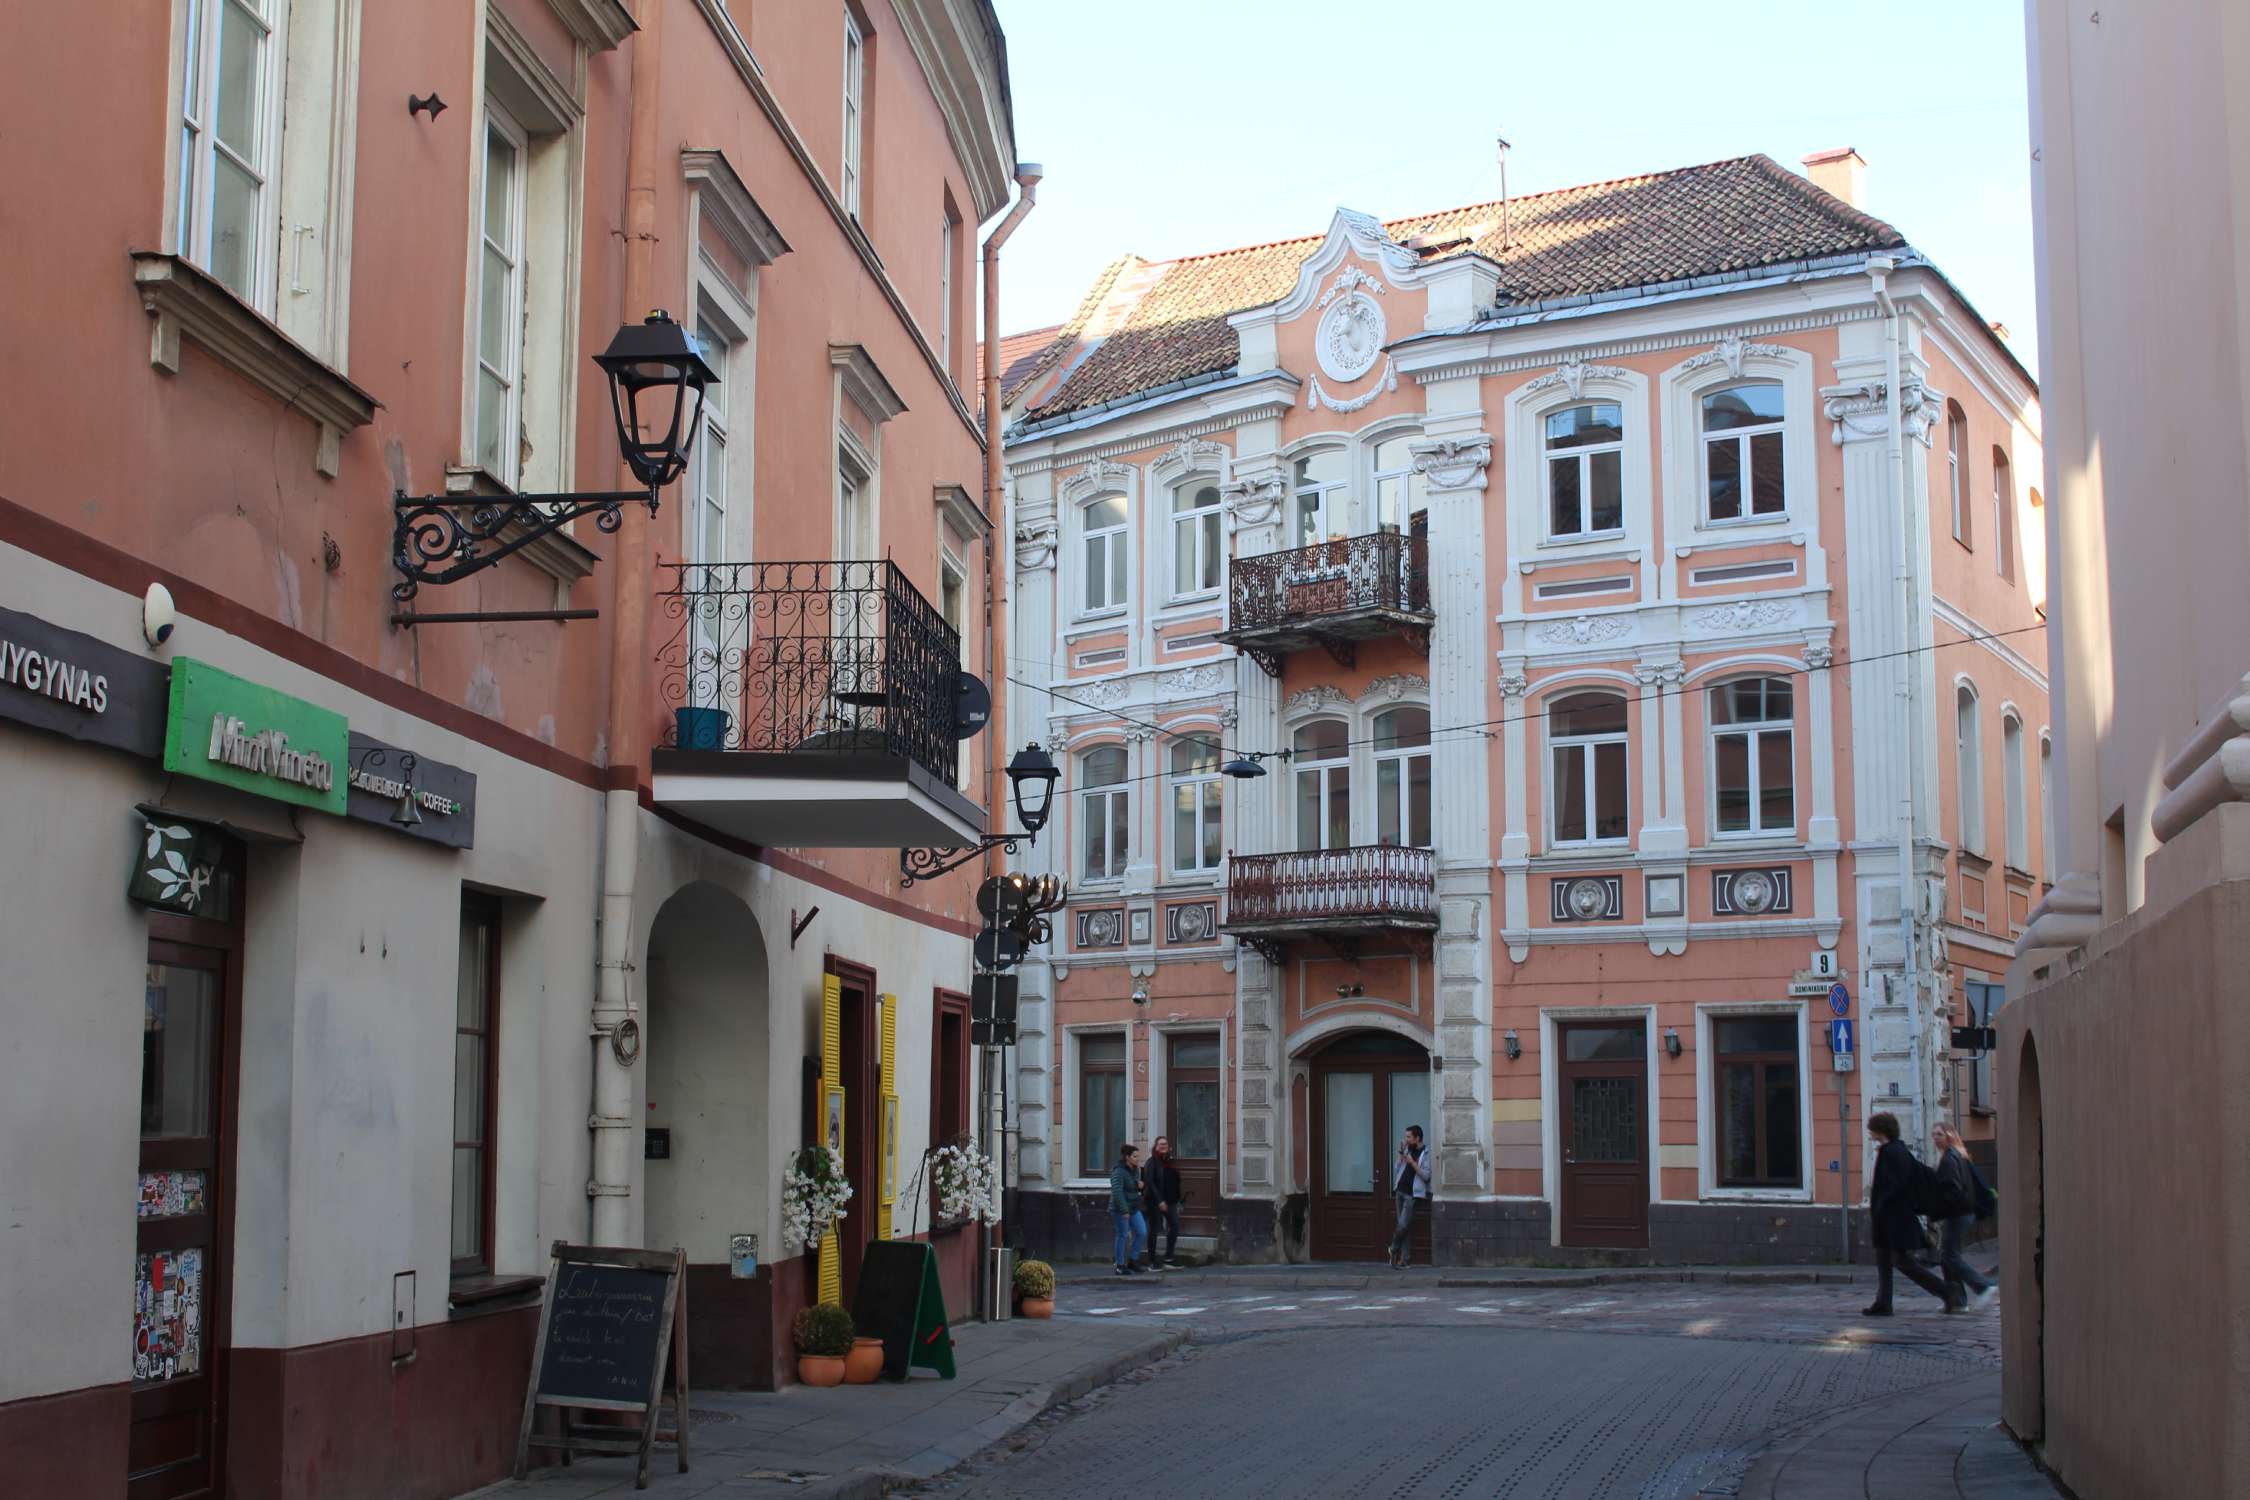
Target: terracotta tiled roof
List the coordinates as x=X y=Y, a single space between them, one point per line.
x=1017 y=352
x=1609 y=236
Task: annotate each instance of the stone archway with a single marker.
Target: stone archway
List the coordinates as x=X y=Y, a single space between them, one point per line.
x=706 y=1082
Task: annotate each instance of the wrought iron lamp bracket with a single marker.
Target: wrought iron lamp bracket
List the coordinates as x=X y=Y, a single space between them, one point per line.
x=441 y=539
x=927 y=864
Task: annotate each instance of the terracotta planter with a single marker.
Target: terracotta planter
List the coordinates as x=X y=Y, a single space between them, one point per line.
x=864 y=1363
x=1038 y=1307
x=820 y=1369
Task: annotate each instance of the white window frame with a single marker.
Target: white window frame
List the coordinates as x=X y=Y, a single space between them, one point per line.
x=1549 y=456
x=1093 y=798
x=1584 y=744
x=1403 y=757
x=1193 y=533
x=1956 y=472
x=855 y=111
x=1968 y=767
x=1411 y=485
x=2003 y=516
x=1206 y=791
x=2015 y=817
x=856 y=503
x=714 y=453
x=948 y=232
x=1330 y=500
x=1111 y=538
x=1754 y=732
x=953 y=570
x=195 y=169
x=508 y=466
x=1740 y=437
x=2047 y=856
x=1706 y=1101
x=1325 y=773
x=1074 y=1075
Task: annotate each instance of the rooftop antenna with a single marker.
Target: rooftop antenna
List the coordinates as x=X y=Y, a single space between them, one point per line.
x=1507 y=226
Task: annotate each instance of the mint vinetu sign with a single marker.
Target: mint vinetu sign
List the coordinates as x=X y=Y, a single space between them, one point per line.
x=250 y=737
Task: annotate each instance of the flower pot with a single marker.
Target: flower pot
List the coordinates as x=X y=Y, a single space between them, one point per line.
x=820 y=1369
x=700 y=728
x=1038 y=1307
x=864 y=1363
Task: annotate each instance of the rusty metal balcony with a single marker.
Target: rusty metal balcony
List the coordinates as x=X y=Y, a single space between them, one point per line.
x=1333 y=595
x=1341 y=896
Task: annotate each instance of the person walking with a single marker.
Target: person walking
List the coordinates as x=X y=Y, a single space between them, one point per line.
x=1897 y=1191
x=1125 y=1209
x=1160 y=1202
x=1410 y=1185
x=1958 y=1203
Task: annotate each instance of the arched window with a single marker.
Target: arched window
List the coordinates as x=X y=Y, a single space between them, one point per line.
x=2003 y=517
x=1753 y=756
x=1587 y=780
x=1585 y=470
x=1968 y=754
x=1197 y=538
x=1319 y=485
x=1105 y=553
x=1197 y=839
x=1957 y=468
x=2012 y=791
x=1400 y=496
x=1321 y=754
x=1742 y=453
x=1402 y=777
x=1104 y=812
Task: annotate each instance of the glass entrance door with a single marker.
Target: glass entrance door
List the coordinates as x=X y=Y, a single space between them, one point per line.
x=1366 y=1089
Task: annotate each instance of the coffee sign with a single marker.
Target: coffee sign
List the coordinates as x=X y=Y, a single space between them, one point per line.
x=237 y=733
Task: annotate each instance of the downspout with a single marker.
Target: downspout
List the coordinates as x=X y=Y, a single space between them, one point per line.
x=1879 y=268
x=999 y=544
x=612 y=1123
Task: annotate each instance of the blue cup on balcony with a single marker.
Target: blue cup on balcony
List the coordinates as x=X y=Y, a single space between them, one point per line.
x=700 y=728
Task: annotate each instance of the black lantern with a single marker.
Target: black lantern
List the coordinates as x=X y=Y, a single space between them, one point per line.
x=656 y=384
x=1243 y=767
x=1033 y=772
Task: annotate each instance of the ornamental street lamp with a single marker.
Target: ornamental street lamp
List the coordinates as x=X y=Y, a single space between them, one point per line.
x=1032 y=775
x=657 y=381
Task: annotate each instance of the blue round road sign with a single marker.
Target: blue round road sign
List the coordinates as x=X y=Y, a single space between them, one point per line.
x=1839 y=1000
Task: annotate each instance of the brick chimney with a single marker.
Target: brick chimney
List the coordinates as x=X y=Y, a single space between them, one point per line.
x=1841 y=173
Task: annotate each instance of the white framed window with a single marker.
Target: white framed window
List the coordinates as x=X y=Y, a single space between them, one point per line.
x=856 y=539
x=1957 y=469
x=706 y=524
x=1198 y=802
x=2048 y=854
x=1102 y=1071
x=1757 y=1100
x=1753 y=757
x=1104 y=813
x=1585 y=449
x=1742 y=453
x=1103 y=524
x=1321 y=753
x=1198 y=538
x=855 y=109
x=1401 y=493
x=229 y=143
x=1587 y=777
x=2012 y=792
x=948 y=231
x=1318 y=484
x=1968 y=764
x=499 y=316
x=2003 y=517
x=953 y=607
x=1402 y=776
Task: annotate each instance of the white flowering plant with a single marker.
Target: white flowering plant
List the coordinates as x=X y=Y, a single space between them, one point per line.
x=966 y=1183
x=813 y=1194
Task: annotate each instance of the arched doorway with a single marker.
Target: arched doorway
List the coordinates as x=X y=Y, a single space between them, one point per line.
x=1366 y=1088
x=706 y=1099
x=2026 y=1207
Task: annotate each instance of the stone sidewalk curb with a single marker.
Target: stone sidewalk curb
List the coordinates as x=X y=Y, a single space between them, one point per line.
x=1280 y=1279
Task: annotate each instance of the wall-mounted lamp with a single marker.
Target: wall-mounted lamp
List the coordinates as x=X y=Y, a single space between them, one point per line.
x=1350 y=991
x=431 y=103
x=1509 y=1040
x=1671 y=1041
x=1140 y=994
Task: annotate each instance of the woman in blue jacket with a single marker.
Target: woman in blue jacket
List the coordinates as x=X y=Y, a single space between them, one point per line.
x=1125 y=1210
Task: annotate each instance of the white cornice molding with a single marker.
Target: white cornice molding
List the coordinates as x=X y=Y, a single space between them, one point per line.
x=864 y=383
x=962 y=514
x=1954 y=616
x=729 y=207
x=968 y=80
x=600 y=24
x=543 y=100
x=1270 y=395
x=1478 y=352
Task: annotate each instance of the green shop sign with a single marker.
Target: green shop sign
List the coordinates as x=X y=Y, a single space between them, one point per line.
x=249 y=737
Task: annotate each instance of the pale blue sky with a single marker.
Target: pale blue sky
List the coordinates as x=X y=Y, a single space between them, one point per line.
x=1169 y=127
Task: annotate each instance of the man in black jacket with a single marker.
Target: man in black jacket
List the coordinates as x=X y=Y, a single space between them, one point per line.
x=1893 y=1199
x=1160 y=1201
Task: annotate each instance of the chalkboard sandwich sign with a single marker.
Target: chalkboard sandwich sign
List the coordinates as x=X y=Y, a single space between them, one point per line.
x=611 y=1321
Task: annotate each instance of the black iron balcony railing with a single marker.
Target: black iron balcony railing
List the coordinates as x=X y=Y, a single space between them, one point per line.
x=1331 y=890
x=812 y=658
x=1331 y=594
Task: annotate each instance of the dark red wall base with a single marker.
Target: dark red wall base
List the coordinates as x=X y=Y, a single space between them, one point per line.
x=68 y=1445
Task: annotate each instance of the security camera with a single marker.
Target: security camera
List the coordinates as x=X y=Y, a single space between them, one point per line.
x=156 y=614
x=1140 y=994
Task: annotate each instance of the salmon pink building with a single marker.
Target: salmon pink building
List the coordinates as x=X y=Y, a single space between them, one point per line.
x=1502 y=660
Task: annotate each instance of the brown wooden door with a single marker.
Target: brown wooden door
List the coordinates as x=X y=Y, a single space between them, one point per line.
x=1366 y=1090
x=1603 y=1076
x=1191 y=1115
x=862 y=1051
x=179 y=1324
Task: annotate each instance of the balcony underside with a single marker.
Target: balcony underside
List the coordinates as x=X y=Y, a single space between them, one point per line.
x=1337 y=634
x=1345 y=935
x=814 y=801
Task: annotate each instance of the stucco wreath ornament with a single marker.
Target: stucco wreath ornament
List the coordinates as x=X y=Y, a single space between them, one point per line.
x=967 y=1185
x=813 y=1194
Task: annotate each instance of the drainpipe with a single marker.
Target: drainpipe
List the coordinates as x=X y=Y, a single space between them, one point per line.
x=998 y=545
x=610 y=1186
x=1879 y=268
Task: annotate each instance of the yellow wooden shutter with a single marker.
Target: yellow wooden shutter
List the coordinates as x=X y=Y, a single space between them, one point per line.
x=886 y=1141
x=831 y=1082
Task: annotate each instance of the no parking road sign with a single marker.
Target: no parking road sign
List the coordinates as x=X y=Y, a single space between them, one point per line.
x=1840 y=1001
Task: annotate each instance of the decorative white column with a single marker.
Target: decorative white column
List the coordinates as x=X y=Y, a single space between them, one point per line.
x=1033 y=651
x=1515 y=835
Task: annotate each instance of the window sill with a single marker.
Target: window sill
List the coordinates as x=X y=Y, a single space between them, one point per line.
x=184 y=299
x=1757 y=1195
x=1087 y=616
x=1779 y=838
x=475 y=1296
x=1584 y=538
x=556 y=554
x=1737 y=523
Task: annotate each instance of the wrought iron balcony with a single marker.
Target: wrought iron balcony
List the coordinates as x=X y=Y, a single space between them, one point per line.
x=1342 y=895
x=1333 y=595
x=810 y=704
